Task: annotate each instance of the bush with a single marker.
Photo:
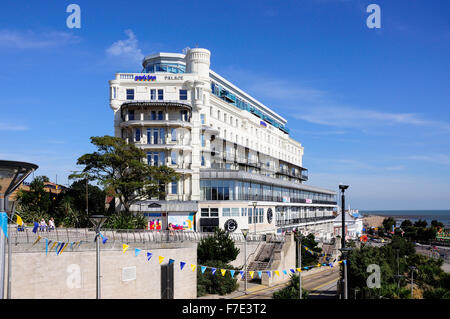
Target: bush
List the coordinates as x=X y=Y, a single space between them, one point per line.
x=125 y=221
x=291 y=291
x=207 y=283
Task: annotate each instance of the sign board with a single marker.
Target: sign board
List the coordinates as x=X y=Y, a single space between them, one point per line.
x=182 y=221
x=129 y=273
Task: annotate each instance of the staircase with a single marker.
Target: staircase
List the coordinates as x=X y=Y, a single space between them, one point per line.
x=263 y=260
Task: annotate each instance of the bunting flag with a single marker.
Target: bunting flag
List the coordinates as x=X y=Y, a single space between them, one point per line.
x=56 y=249
x=193 y=267
x=242 y=274
x=19 y=220
x=104 y=239
x=223 y=271
x=345 y=262
x=137 y=251
x=276 y=272
x=4 y=223
x=292 y=271
x=268 y=273
x=124 y=248
x=260 y=274
x=149 y=255
x=171 y=261
x=251 y=273
x=213 y=270
x=232 y=273
x=203 y=268
x=63 y=246
x=36 y=241
x=46 y=246
x=284 y=271
x=299 y=269
x=161 y=258
x=182 y=264
x=60 y=248
x=306 y=268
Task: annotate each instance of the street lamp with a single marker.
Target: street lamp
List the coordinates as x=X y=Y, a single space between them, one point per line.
x=245 y=233
x=343 y=188
x=98 y=221
x=254 y=214
x=413 y=268
x=299 y=237
x=12 y=174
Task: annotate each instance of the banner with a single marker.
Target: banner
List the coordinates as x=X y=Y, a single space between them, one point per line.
x=4 y=223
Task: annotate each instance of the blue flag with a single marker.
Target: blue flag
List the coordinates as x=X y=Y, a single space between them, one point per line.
x=171 y=261
x=232 y=273
x=4 y=223
x=260 y=274
x=213 y=270
x=46 y=246
x=182 y=263
x=137 y=251
x=203 y=268
x=149 y=255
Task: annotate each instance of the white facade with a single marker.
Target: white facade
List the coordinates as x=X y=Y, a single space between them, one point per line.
x=230 y=149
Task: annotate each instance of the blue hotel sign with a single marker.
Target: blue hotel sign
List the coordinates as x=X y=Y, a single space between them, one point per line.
x=150 y=78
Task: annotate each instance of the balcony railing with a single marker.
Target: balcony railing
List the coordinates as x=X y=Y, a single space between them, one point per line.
x=293 y=221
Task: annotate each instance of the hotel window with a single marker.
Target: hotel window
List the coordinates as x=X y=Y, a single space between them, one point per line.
x=235 y=212
x=250 y=211
x=152 y=94
x=205 y=212
x=183 y=95
x=155 y=158
x=203 y=140
x=160 y=115
x=226 y=212
x=174 y=134
x=184 y=115
x=174 y=187
x=160 y=94
x=203 y=161
x=153 y=115
x=202 y=118
x=173 y=156
x=130 y=115
x=243 y=211
x=138 y=135
x=130 y=94
x=214 y=212
x=261 y=215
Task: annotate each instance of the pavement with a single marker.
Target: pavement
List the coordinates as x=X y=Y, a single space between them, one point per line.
x=320 y=285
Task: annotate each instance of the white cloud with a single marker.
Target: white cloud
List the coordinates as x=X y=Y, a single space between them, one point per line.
x=12 y=127
x=126 y=49
x=28 y=39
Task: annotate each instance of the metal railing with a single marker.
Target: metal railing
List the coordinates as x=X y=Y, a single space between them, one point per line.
x=26 y=236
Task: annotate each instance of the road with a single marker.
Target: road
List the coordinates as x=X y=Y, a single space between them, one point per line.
x=320 y=286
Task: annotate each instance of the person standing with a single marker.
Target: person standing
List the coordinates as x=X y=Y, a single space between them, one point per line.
x=51 y=224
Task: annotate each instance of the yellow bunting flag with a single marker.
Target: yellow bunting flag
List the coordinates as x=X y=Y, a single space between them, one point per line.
x=318 y=265
x=19 y=220
x=124 y=247
x=276 y=272
x=53 y=245
x=340 y=261
x=299 y=269
x=223 y=271
x=161 y=258
x=36 y=241
x=193 y=267
x=251 y=273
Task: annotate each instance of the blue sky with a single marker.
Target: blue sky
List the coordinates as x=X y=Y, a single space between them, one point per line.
x=370 y=106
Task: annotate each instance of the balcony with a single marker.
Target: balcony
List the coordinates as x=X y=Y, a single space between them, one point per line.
x=136 y=104
x=294 y=221
x=156 y=123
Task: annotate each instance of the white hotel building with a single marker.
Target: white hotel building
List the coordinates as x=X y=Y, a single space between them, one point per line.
x=230 y=149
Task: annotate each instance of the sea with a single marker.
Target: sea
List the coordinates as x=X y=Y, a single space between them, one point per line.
x=442 y=216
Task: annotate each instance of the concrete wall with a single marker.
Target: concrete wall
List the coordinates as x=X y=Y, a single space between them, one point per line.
x=72 y=274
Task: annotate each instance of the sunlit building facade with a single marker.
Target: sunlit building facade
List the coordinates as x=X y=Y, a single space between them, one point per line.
x=239 y=167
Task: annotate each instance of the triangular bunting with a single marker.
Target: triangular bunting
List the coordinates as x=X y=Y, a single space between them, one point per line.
x=232 y=273
x=161 y=258
x=182 y=264
x=193 y=267
x=137 y=251
x=251 y=273
x=149 y=255
x=203 y=268
x=223 y=271
x=171 y=261
x=124 y=247
x=213 y=270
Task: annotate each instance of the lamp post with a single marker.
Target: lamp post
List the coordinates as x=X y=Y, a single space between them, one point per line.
x=344 y=252
x=12 y=174
x=412 y=281
x=254 y=214
x=98 y=221
x=245 y=232
x=299 y=237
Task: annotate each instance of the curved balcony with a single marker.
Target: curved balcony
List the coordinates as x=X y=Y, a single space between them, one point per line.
x=142 y=104
x=155 y=123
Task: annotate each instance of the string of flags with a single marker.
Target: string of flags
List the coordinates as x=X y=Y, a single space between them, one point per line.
x=59 y=248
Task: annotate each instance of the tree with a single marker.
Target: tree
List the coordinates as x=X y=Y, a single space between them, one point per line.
x=421 y=223
x=120 y=169
x=310 y=256
x=35 y=203
x=437 y=224
x=219 y=247
x=216 y=251
x=406 y=223
x=388 y=223
x=290 y=291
